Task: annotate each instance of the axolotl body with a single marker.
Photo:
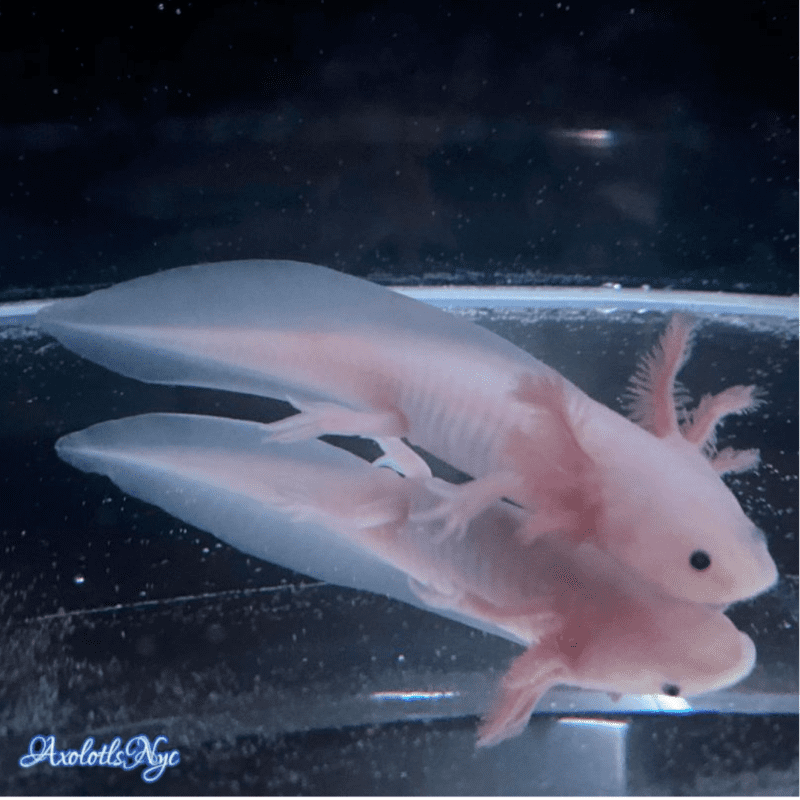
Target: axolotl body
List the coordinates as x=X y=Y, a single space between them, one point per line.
x=320 y=510
x=357 y=359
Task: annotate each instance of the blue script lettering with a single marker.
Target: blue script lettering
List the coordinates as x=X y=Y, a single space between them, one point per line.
x=139 y=751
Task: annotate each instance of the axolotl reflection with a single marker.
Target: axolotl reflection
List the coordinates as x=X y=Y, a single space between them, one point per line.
x=324 y=512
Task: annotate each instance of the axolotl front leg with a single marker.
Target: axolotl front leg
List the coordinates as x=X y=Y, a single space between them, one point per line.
x=385 y=427
x=462 y=503
x=540 y=465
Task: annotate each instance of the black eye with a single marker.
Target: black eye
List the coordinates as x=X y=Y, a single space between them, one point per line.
x=700 y=560
x=671 y=689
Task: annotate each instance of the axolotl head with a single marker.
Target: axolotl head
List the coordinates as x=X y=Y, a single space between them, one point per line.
x=672 y=648
x=675 y=521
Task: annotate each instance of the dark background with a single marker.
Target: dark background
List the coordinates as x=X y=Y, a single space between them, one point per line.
x=408 y=141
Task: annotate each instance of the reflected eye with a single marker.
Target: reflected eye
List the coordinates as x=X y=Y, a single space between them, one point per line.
x=700 y=560
x=671 y=689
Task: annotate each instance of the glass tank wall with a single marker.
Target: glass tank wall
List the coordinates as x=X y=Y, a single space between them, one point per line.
x=122 y=620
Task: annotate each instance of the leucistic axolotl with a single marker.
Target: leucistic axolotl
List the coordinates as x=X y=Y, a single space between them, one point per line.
x=324 y=512
x=358 y=359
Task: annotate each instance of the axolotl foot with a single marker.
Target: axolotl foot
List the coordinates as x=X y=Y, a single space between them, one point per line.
x=461 y=503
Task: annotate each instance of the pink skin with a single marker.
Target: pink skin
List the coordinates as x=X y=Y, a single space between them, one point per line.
x=624 y=646
x=588 y=622
x=585 y=619
x=650 y=494
x=356 y=359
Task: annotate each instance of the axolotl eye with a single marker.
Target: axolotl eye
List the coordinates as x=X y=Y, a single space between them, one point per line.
x=700 y=560
x=671 y=689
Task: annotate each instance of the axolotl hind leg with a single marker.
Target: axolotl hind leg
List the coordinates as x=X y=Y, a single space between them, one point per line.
x=320 y=418
x=400 y=457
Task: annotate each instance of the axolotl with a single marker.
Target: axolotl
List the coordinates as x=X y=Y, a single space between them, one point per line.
x=357 y=359
x=322 y=511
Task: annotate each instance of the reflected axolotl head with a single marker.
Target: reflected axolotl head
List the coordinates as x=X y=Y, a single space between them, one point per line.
x=677 y=649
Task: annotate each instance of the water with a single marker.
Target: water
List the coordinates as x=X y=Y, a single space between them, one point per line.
x=120 y=620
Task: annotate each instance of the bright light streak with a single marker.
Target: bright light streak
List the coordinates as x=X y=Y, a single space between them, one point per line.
x=410 y=697
x=593 y=723
x=589 y=137
x=667 y=703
